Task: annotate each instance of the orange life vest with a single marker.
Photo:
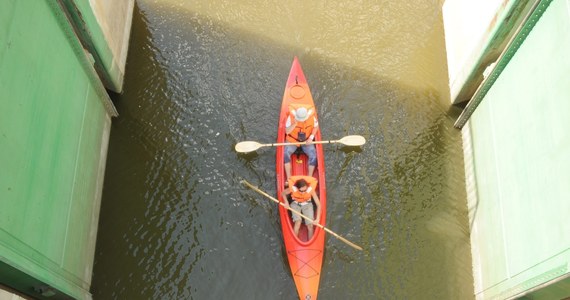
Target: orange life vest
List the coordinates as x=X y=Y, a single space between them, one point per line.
x=298 y=195
x=302 y=130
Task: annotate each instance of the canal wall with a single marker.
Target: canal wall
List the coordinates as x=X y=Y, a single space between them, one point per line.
x=57 y=60
x=516 y=144
x=103 y=27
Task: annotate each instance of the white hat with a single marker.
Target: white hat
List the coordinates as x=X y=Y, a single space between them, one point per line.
x=301 y=114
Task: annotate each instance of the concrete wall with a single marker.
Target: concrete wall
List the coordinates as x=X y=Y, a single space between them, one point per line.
x=115 y=19
x=7 y=295
x=517 y=157
x=103 y=26
x=468 y=24
x=476 y=33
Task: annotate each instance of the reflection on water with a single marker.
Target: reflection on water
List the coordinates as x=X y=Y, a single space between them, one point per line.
x=175 y=222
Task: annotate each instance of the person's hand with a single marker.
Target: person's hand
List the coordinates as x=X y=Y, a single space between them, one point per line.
x=286 y=204
x=310 y=139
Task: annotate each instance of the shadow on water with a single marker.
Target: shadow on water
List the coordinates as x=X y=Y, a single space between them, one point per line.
x=175 y=222
x=404 y=193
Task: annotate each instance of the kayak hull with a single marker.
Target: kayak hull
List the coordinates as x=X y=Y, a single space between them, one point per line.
x=305 y=257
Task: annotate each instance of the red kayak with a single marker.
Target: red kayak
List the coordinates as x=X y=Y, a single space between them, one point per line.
x=305 y=256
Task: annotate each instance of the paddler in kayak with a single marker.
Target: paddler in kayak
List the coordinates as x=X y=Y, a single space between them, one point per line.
x=302 y=190
x=301 y=125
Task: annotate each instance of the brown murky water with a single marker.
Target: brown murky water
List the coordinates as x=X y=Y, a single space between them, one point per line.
x=175 y=222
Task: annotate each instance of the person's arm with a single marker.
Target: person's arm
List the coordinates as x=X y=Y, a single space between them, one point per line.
x=290 y=124
x=318 y=204
x=314 y=132
x=286 y=192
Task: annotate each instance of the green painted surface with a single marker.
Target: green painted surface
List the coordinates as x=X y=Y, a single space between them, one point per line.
x=521 y=146
x=54 y=127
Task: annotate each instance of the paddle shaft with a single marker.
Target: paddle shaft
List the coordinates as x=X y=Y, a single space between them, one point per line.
x=350 y=140
x=300 y=143
x=301 y=215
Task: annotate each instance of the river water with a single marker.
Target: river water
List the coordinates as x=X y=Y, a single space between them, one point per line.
x=201 y=76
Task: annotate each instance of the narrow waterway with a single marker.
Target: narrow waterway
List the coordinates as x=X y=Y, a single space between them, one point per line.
x=176 y=224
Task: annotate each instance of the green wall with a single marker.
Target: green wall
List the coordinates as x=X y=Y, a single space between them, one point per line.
x=55 y=120
x=520 y=144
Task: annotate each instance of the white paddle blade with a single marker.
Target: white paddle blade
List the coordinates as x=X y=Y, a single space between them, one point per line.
x=353 y=140
x=247 y=146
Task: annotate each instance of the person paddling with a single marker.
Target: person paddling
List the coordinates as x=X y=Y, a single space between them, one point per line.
x=302 y=190
x=301 y=125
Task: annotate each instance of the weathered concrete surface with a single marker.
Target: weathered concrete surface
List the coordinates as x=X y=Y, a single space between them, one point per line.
x=115 y=19
x=476 y=34
x=467 y=26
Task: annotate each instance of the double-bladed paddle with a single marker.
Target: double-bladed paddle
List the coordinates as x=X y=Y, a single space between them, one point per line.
x=351 y=244
x=349 y=140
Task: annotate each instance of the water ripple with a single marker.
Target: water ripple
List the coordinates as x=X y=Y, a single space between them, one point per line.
x=201 y=76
